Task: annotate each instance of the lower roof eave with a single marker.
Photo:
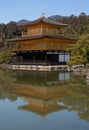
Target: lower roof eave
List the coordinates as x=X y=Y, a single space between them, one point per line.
x=40 y=37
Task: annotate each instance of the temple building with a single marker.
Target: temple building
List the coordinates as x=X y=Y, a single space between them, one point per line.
x=41 y=43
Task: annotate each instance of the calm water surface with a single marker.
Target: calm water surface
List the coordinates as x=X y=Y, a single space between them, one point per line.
x=43 y=101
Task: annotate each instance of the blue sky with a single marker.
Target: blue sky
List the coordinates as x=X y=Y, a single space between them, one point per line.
x=15 y=10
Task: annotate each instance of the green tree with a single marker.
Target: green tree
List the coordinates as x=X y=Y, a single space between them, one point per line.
x=80 y=51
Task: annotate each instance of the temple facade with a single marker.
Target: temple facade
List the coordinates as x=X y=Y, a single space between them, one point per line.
x=41 y=43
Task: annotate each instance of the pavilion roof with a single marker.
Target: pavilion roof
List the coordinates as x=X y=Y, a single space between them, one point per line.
x=43 y=111
x=43 y=20
x=39 y=37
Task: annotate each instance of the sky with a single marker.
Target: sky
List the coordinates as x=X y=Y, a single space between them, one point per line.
x=15 y=10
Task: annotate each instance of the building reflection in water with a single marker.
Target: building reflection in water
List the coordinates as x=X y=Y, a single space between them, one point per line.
x=41 y=78
x=42 y=90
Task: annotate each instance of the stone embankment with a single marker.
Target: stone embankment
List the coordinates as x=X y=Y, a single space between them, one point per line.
x=81 y=71
x=37 y=67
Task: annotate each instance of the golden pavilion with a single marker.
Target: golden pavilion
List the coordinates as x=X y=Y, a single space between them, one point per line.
x=41 y=43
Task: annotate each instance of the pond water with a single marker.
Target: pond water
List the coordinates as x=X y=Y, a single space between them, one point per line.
x=32 y=100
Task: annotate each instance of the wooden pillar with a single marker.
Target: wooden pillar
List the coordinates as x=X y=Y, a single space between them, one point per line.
x=45 y=59
x=34 y=58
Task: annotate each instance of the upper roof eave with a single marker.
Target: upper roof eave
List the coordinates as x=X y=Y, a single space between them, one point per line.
x=43 y=20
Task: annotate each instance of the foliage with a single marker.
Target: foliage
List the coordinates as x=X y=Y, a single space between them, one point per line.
x=80 y=51
x=78 y=25
x=9 y=30
x=5 y=56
